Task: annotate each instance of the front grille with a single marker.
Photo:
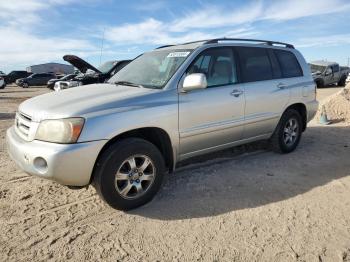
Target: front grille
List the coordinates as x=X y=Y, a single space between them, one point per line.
x=23 y=125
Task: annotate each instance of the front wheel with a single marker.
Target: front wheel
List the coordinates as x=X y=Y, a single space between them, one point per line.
x=129 y=173
x=25 y=85
x=288 y=132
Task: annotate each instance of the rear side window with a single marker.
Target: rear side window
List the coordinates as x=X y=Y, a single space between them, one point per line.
x=288 y=63
x=335 y=68
x=255 y=64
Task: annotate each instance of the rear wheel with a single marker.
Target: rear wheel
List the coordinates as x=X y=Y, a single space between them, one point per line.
x=342 y=81
x=129 y=173
x=319 y=83
x=288 y=132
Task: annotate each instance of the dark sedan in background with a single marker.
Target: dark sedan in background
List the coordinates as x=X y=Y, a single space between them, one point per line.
x=13 y=76
x=35 y=80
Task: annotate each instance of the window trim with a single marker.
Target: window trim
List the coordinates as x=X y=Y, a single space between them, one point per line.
x=267 y=50
x=233 y=55
x=296 y=59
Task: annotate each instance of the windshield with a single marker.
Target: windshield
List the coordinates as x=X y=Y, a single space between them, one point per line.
x=107 y=66
x=153 y=69
x=68 y=77
x=315 y=68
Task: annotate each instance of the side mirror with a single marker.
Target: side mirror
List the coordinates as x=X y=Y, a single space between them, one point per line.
x=194 y=81
x=328 y=71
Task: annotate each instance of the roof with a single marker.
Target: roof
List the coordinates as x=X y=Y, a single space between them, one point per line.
x=322 y=63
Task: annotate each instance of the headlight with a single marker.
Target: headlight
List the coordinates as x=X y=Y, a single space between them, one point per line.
x=64 y=131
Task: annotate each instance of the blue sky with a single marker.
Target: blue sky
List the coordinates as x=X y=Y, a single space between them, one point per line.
x=37 y=31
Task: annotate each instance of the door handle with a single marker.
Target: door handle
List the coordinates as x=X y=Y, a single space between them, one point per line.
x=236 y=92
x=281 y=86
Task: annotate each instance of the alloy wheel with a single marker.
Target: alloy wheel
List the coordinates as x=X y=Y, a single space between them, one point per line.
x=135 y=176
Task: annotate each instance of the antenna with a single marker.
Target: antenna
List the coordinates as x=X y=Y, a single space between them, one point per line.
x=102 y=42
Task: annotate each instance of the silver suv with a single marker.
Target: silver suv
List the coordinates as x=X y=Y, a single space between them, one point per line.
x=167 y=105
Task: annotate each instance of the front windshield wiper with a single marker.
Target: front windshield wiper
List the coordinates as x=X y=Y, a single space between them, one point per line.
x=127 y=83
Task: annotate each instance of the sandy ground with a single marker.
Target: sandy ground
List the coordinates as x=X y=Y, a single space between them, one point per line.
x=246 y=204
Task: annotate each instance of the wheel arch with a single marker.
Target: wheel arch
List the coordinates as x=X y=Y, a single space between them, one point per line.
x=157 y=136
x=301 y=108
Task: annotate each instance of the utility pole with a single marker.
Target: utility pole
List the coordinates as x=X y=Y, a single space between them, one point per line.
x=102 y=42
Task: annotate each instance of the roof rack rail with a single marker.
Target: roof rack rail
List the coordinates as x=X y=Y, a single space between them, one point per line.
x=193 y=42
x=163 y=46
x=268 y=42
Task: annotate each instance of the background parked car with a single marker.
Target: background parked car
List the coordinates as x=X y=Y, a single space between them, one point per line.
x=92 y=75
x=14 y=75
x=2 y=83
x=35 y=80
x=51 y=82
x=328 y=73
x=348 y=78
x=2 y=73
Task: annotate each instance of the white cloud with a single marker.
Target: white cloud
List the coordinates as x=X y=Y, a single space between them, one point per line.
x=217 y=21
x=325 y=40
x=215 y=16
x=24 y=48
x=21 y=47
x=20 y=22
x=150 y=6
x=293 y=9
x=24 y=13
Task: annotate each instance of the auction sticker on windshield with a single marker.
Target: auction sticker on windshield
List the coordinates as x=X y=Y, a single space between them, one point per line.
x=178 y=54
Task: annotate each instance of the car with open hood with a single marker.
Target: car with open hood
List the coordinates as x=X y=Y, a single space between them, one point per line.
x=51 y=82
x=90 y=74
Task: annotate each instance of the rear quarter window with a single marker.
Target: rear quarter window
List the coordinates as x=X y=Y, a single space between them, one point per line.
x=288 y=63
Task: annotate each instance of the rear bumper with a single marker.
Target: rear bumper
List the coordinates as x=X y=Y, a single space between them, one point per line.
x=67 y=164
x=311 y=108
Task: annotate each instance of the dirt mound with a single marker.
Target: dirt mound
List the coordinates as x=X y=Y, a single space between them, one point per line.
x=336 y=106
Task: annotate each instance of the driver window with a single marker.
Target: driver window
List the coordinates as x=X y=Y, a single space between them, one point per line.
x=218 y=65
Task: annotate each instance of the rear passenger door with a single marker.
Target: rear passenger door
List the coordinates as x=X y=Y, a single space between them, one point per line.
x=267 y=92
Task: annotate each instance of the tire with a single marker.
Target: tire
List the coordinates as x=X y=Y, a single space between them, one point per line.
x=25 y=85
x=342 y=81
x=278 y=140
x=319 y=83
x=3 y=86
x=123 y=194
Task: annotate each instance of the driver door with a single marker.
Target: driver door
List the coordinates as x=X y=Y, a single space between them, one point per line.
x=212 y=117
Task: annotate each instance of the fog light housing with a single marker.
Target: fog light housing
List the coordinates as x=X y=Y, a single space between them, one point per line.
x=40 y=164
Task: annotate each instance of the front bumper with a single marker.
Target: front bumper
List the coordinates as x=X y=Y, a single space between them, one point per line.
x=67 y=164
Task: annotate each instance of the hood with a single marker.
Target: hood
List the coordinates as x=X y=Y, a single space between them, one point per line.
x=81 y=101
x=79 y=63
